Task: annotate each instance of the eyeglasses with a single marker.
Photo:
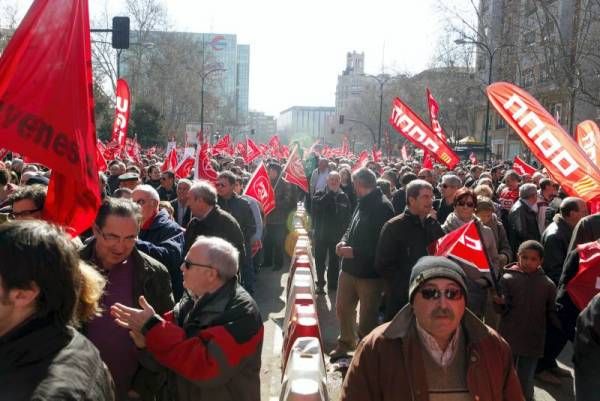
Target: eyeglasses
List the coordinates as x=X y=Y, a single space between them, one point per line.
x=23 y=213
x=451 y=294
x=140 y=202
x=113 y=239
x=467 y=204
x=188 y=265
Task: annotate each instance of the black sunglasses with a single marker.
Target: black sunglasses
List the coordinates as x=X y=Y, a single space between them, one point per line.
x=451 y=294
x=188 y=265
x=467 y=204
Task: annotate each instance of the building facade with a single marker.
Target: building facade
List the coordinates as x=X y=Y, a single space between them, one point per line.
x=263 y=126
x=306 y=121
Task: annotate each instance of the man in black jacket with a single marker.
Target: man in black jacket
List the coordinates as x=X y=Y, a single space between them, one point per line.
x=167 y=191
x=331 y=213
x=403 y=240
x=586 y=356
x=522 y=218
x=41 y=356
x=445 y=205
x=358 y=281
x=181 y=212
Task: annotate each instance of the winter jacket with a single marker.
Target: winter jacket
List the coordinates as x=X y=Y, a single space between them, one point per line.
x=258 y=220
x=399 y=201
x=167 y=195
x=285 y=202
x=349 y=191
x=211 y=346
x=388 y=364
x=217 y=223
x=152 y=280
x=331 y=215
x=403 y=240
x=502 y=244
x=586 y=356
x=371 y=213
x=443 y=209
x=40 y=360
x=163 y=241
x=587 y=230
x=187 y=214
x=529 y=303
x=240 y=210
x=556 y=240
x=522 y=225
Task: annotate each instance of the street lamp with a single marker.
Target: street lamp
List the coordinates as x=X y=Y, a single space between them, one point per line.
x=203 y=77
x=491 y=54
x=381 y=80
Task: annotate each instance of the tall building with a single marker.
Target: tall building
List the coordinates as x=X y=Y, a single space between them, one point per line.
x=264 y=126
x=243 y=81
x=350 y=83
x=315 y=122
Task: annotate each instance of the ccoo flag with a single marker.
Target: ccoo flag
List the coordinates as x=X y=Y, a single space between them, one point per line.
x=259 y=187
x=47 y=106
x=587 y=136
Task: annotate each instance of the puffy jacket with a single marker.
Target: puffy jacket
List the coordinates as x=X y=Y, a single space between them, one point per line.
x=522 y=225
x=212 y=347
x=372 y=212
x=388 y=364
x=331 y=215
x=40 y=360
x=556 y=240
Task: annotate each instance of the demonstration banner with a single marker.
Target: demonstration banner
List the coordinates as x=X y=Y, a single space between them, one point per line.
x=252 y=151
x=122 y=112
x=47 y=106
x=521 y=167
x=203 y=169
x=170 y=163
x=293 y=172
x=587 y=136
x=565 y=161
x=363 y=160
x=407 y=123
x=434 y=111
x=259 y=187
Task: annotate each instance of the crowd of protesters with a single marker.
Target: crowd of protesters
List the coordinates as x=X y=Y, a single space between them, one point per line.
x=155 y=300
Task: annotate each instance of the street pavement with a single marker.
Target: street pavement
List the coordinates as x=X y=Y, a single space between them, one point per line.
x=270 y=297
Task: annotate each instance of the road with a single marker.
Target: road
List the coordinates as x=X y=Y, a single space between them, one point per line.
x=270 y=298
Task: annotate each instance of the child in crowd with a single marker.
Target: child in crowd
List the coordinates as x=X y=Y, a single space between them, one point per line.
x=527 y=300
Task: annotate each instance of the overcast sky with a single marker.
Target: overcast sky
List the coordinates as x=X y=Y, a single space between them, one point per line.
x=298 y=48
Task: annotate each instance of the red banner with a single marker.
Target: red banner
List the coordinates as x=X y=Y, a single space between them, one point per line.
x=203 y=169
x=184 y=168
x=565 y=161
x=252 y=151
x=376 y=154
x=122 y=112
x=363 y=160
x=434 y=111
x=100 y=160
x=259 y=187
x=587 y=136
x=427 y=162
x=521 y=167
x=222 y=146
x=133 y=150
x=47 y=106
x=293 y=172
x=170 y=162
x=407 y=123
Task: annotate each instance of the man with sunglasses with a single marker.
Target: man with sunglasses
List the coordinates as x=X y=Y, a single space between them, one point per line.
x=167 y=191
x=211 y=341
x=445 y=205
x=130 y=274
x=434 y=348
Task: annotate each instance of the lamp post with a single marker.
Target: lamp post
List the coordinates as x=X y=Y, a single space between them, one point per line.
x=491 y=54
x=203 y=77
x=381 y=80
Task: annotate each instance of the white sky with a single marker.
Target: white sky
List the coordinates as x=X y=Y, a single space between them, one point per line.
x=298 y=48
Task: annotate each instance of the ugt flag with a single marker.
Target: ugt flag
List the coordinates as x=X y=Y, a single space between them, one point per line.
x=259 y=187
x=47 y=106
x=521 y=167
x=123 y=109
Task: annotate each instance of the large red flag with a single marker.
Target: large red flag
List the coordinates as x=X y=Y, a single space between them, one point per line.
x=407 y=123
x=259 y=187
x=252 y=151
x=363 y=160
x=184 y=168
x=565 y=161
x=100 y=160
x=170 y=162
x=586 y=283
x=123 y=109
x=434 y=111
x=203 y=169
x=587 y=136
x=427 y=162
x=47 y=106
x=521 y=167
x=222 y=146
x=293 y=172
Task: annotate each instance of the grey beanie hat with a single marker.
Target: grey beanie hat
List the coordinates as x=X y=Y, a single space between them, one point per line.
x=429 y=267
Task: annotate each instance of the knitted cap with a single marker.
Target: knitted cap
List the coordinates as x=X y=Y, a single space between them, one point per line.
x=429 y=267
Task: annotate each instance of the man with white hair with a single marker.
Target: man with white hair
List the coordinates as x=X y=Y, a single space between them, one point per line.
x=159 y=237
x=212 y=340
x=522 y=218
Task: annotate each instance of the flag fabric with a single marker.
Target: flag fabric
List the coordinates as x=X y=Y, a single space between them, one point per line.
x=586 y=282
x=252 y=151
x=3 y=153
x=404 y=153
x=259 y=187
x=275 y=147
x=410 y=125
x=345 y=146
x=473 y=158
x=223 y=145
x=376 y=154
x=434 y=110
x=363 y=160
x=203 y=169
x=170 y=162
x=47 y=106
x=427 y=162
x=122 y=112
x=388 y=142
x=564 y=160
x=587 y=136
x=240 y=149
x=184 y=168
x=100 y=160
x=293 y=172
x=133 y=150
x=521 y=167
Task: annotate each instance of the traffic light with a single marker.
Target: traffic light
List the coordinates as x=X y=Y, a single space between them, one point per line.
x=252 y=132
x=120 y=33
x=341 y=119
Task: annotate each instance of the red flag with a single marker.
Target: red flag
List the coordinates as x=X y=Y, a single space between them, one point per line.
x=404 y=153
x=259 y=187
x=293 y=172
x=100 y=160
x=203 y=169
x=363 y=160
x=376 y=154
x=407 y=123
x=285 y=151
x=547 y=140
x=388 y=142
x=473 y=158
x=345 y=146
x=427 y=163
x=521 y=167
x=47 y=106
x=222 y=146
x=240 y=149
x=170 y=162
x=587 y=136
x=3 y=153
x=586 y=283
x=434 y=110
x=252 y=151
x=275 y=146
x=133 y=150
x=465 y=245
x=123 y=109
x=185 y=167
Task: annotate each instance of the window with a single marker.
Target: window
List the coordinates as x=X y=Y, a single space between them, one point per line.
x=528 y=77
x=500 y=123
x=529 y=38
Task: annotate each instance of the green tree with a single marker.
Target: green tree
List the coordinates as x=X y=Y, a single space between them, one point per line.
x=104 y=114
x=147 y=123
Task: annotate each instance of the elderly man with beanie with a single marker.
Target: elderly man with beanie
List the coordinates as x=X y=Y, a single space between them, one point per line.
x=434 y=348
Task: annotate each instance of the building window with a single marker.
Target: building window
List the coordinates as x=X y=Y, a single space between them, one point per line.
x=529 y=38
x=528 y=77
x=500 y=123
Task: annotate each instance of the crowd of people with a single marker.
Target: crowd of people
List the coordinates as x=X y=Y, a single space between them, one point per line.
x=155 y=300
